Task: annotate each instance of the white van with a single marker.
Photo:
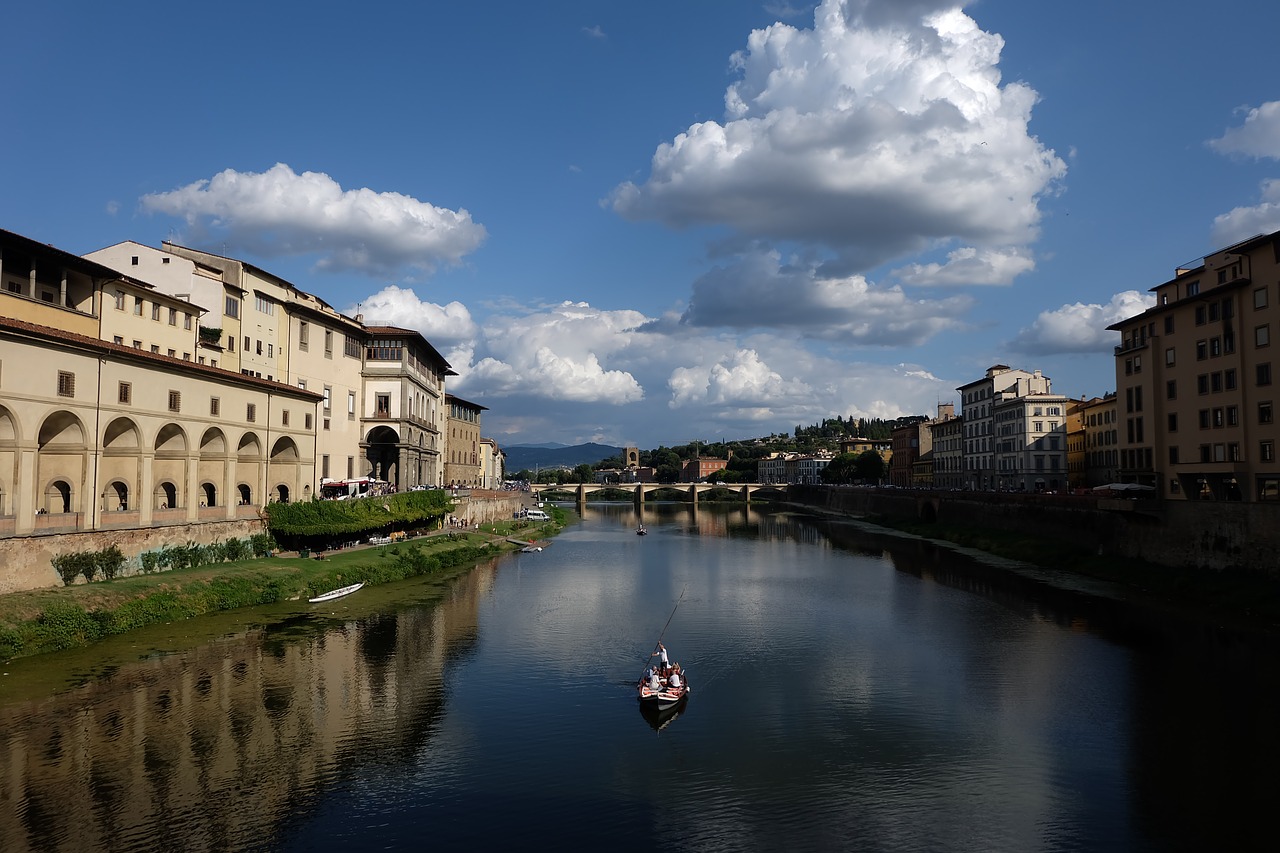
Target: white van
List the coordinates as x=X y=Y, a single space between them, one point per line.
x=536 y=515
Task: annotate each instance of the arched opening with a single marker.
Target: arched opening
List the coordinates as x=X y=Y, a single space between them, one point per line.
x=57 y=498
x=116 y=496
x=61 y=454
x=246 y=496
x=166 y=496
x=210 y=494
x=306 y=493
x=383 y=454
x=280 y=494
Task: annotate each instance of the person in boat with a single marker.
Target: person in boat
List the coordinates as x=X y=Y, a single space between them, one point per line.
x=663 y=663
x=655 y=684
x=675 y=681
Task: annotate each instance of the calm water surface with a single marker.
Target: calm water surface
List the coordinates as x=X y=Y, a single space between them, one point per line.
x=850 y=692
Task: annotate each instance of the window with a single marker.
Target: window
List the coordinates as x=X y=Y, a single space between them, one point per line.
x=186 y=356
x=1233 y=415
x=1202 y=350
x=264 y=305
x=302 y=383
x=328 y=392
x=233 y=307
x=1233 y=451
x=303 y=334
x=251 y=412
x=258 y=347
x=1168 y=356
x=1219 y=418
x=247 y=344
x=326 y=423
x=1215 y=382
x=382 y=404
x=383 y=351
x=351 y=405
x=1173 y=422
x=324 y=465
x=1267 y=451
x=306 y=420
x=1260 y=298
x=328 y=343
x=215 y=406
x=1168 y=324
x=1204 y=419
x=137 y=306
x=231 y=343
x=1202 y=383
x=1215 y=347
x=155 y=311
x=351 y=467
x=284 y=417
x=66 y=384
x=119 y=300
x=1263 y=372
x=1193 y=289
x=137 y=344
x=133 y=261
x=124 y=393
x=118 y=340
x=1265 y=413
x=175 y=401
x=186 y=321
x=155 y=348
x=271 y=350
x=1262 y=336
x=1229 y=379
x=173 y=316
x=351 y=346
x=1200 y=315
x=1173 y=455
x=1171 y=389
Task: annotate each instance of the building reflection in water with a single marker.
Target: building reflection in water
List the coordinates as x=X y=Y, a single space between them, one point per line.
x=216 y=748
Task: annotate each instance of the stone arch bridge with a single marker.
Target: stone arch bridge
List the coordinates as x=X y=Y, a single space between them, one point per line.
x=639 y=490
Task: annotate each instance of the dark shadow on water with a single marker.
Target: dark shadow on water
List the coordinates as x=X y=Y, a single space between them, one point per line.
x=659 y=720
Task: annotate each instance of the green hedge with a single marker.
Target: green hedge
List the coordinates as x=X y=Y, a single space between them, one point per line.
x=355 y=517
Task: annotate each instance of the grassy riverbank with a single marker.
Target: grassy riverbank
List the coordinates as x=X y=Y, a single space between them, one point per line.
x=45 y=620
x=1254 y=596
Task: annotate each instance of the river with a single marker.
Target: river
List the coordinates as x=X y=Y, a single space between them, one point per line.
x=850 y=691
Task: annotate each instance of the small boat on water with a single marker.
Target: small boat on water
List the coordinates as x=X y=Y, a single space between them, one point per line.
x=665 y=696
x=335 y=593
x=641 y=530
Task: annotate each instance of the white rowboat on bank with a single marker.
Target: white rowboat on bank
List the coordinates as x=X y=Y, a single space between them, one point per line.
x=335 y=593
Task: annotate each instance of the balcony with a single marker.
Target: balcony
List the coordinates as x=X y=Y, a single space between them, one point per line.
x=1131 y=346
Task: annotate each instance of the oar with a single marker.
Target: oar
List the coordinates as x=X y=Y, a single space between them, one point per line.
x=664 y=627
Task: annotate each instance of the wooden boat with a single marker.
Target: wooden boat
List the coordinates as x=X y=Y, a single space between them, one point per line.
x=665 y=697
x=641 y=530
x=335 y=593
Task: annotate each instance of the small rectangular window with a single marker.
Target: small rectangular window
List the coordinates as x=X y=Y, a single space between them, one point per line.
x=326 y=423
x=307 y=421
x=271 y=350
x=328 y=391
x=1260 y=298
x=251 y=413
x=175 y=401
x=155 y=311
x=66 y=384
x=233 y=307
x=215 y=406
x=137 y=306
x=173 y=316
x=186 y=321
x=284 y=417
x=328 y=343
x=1262 y=336
x=119 y=300
x=124 y=394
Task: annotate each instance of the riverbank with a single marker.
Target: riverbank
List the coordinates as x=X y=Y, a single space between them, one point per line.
x=1248 y=599
x=37 y=621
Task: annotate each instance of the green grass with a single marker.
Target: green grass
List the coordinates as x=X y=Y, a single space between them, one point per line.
x=44 y=620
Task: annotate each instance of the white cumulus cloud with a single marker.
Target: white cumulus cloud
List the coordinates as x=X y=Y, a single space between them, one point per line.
x=563 y=352
x=1258 y=137
x=969 y=265
x=279 y=212
x=880 y=132
x=758 y=291
x=1079 y=327
x=1243 y=222
x=443 y=325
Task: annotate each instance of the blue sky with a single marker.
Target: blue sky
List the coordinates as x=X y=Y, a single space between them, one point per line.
x=661 y=222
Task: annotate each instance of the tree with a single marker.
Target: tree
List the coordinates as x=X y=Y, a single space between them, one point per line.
x=583 y=473
x=840 y=470
x=869 y=466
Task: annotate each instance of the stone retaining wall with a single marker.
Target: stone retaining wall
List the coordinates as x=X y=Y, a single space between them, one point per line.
x=1211 y=535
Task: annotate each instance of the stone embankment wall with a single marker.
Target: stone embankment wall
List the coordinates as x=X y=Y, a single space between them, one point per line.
x=26 y=561
x=1211 y=535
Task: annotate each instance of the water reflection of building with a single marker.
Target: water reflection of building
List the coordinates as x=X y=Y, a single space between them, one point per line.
x=215 y=748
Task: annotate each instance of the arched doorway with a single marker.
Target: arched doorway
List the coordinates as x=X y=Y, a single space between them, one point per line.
x=210 y=494
x=61 y=454
x=382 y=451
x=280 y=494
x=57 y=498
x=246 y=494
x=166 y=496
x=116 y=496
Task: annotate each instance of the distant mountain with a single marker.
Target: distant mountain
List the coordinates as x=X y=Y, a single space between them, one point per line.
x=533 y=456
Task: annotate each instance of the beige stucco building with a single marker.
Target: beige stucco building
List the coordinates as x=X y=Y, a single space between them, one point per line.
x=106 y=420
x=402 y=407
x=462 y=446
x=1195 y=376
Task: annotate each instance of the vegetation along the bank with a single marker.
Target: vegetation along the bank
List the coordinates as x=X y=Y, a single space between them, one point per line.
x=202 y=579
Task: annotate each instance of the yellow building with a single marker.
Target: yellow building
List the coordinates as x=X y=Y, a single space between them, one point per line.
x=102 y=427
x=462 y=443
x=1195 y=378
